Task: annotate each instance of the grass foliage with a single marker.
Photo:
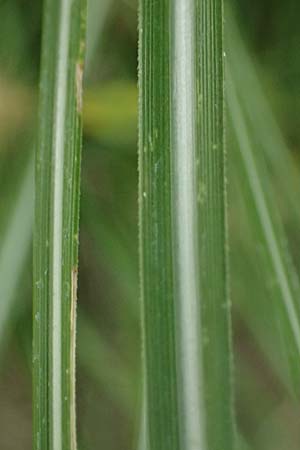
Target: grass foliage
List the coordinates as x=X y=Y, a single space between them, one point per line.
x=185 y=400
x=56 y=230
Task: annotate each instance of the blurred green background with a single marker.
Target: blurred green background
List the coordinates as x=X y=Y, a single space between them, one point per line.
x=108 y=375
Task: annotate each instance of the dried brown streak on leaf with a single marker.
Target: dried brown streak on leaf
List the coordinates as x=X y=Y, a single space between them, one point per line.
x=73 y=355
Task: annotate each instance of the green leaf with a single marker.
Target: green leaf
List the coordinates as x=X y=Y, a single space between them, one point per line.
x=15 y=248
x=182 y=226
x=56 y=225
x=99 y=359
x=97 y=13
x=265 y=132
x=267 y=223
x=251 y=156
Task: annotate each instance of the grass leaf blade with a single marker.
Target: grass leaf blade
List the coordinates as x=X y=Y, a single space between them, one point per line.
x=15 y=248
x=265 y=218
x=56 y=224
x=182 y=219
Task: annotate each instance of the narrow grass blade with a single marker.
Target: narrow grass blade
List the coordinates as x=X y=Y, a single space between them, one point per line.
x=110 y=246
x=97 y=12
x=258 y=134
x=242 y=444
x=254 y=181
x=260 y=118
x=56 y=225
x=182 y=226
x=15 y=247
x=103 y=364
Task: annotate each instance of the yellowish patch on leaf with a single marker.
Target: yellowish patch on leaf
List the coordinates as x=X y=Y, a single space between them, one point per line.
x=79 y=75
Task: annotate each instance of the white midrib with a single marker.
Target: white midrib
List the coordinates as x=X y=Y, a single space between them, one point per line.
x=58 y=168
x=185 y=221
